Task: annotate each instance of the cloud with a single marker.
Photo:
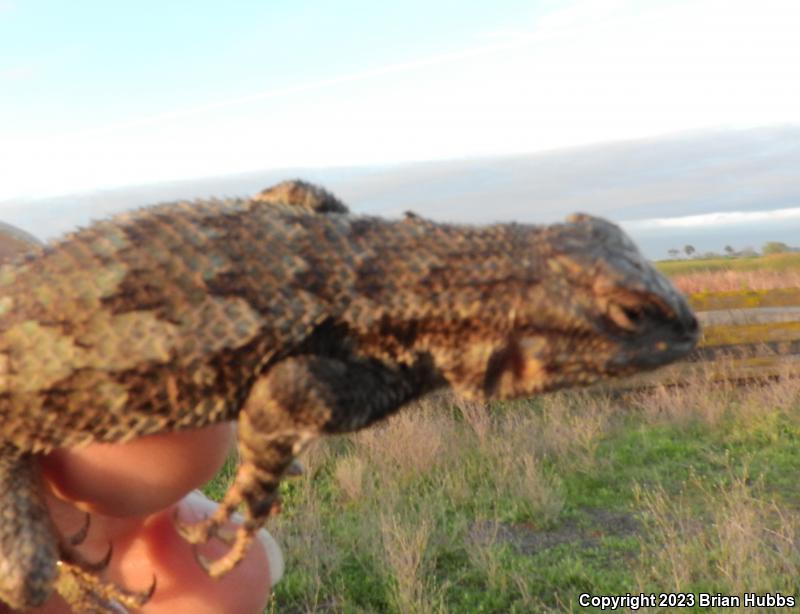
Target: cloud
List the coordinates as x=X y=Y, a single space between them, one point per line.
x=17 y=73
x=716 y=219
x=593 y=73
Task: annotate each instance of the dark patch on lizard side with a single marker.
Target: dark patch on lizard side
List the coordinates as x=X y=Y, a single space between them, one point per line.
x=330 y=338
x=507 y=358
x=405 y=332
x=140 y=290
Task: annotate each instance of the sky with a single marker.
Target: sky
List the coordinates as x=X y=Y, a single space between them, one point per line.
x=95 y=94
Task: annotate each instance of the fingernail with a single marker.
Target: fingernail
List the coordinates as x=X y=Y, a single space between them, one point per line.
x=274 y=555
x=196 y=506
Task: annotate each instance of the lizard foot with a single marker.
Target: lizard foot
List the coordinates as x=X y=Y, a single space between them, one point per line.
x=259 y=494
x=212 y=526
x=217 y=526
x=85 y=592
x=238 y=539
x=239 y=544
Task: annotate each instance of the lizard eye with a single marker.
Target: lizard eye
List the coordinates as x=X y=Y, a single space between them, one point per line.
x=627 y=318
x=633 y=312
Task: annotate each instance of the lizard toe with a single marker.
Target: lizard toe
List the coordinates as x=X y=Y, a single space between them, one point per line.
x=198 y=532
x=238 y=549
x=85 y=592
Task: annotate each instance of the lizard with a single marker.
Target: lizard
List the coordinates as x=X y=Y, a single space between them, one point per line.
x=293 y=317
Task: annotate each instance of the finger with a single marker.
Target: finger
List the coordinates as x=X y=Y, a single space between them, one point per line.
x=245 y=590
x=148 y=548
x=140 y=477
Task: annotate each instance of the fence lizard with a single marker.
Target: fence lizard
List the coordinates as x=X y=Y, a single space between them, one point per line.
x=295 y=318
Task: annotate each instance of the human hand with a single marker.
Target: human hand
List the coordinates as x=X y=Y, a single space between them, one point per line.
x=131 y=492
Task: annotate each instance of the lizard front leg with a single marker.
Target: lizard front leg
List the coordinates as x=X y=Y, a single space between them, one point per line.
x=296 y=400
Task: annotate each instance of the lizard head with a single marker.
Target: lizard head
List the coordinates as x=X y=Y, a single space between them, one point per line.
x=593 y=308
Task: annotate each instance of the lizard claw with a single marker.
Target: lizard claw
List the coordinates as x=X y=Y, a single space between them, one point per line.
x=71 y=556
x=194 y=532
x=238 y=548
x=203 y=561
x=101 y=564
x=150 y=591
x=77 y=538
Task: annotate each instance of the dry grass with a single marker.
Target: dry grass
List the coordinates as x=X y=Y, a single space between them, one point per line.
x=710 y=396
x=572 y=423
x=740 y=540
x=409 y=444
x=477 y=416
x=723 y=534
x=726 y=281
x=406 y=561
x=781 y=396
x=385 y=518
x=698 y=399
x=349 y=475
x=307 y=546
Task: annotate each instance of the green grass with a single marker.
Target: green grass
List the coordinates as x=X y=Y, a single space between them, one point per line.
x=774 y=262
x=524 y=508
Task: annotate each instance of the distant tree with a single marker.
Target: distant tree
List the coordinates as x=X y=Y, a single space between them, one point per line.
x=710 y=255
x=673 y=253
x=775 y=247
x=729 y=250
x=748 y=252
x=689 y=249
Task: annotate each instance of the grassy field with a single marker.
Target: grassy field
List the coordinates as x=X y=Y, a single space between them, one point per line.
x=776 y=262
x=765 y=273
x=455 y=507
x=522 y=507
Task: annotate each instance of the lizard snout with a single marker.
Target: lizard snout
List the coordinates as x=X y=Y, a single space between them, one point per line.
x=660 y=328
